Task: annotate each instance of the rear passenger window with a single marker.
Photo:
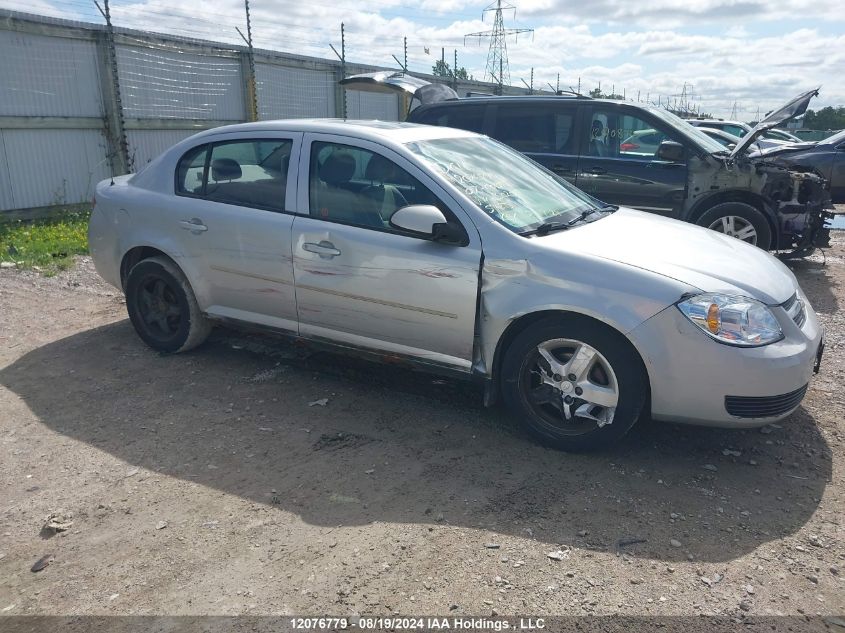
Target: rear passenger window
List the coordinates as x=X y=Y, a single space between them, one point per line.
x=470 y=118
x=535 y=129
x=189 y=173
x=249 y=173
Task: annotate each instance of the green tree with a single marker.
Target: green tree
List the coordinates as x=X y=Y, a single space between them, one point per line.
x=442 y=69
x=828 y=118
x=596 y=93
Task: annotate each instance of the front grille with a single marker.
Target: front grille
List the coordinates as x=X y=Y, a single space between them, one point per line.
x=795 y=309
x=764 y=407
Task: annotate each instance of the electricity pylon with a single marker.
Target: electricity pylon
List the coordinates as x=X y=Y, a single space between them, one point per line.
x=497 y=56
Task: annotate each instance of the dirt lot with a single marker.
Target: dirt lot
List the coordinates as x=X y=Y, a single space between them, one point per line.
x=206 y=483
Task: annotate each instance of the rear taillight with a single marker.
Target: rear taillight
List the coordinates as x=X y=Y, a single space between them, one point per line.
x=628 y=147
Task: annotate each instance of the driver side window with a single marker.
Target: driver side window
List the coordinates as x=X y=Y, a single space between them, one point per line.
x=352 y=185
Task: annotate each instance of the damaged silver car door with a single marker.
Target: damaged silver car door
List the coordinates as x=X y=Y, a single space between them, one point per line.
x=403 y=288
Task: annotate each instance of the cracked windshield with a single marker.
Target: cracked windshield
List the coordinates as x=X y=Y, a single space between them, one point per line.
x=506 y=185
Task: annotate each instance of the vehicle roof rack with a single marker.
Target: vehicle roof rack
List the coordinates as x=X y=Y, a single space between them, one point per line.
x=560 y=93
x=572 y=93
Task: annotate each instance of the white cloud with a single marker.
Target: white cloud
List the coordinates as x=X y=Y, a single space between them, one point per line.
x=652 y=48
x=683 y=12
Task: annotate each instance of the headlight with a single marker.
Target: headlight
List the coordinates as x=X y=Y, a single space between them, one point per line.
x=733 y=320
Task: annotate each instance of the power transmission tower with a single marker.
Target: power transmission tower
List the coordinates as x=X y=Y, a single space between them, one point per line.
x=497 y=55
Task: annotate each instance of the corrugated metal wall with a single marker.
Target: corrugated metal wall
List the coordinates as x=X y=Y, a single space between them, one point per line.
x=58 y=129
x=144 y=145
x=291 y=93
x=7 y=201
x=53 y=167
x=372 y=105
x=156 y=83
x=43 y=76
x=48 y=76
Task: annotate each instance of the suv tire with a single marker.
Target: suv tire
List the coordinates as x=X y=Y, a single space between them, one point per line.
x=739 y=220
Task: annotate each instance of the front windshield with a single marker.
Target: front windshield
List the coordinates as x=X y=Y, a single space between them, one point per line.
x=724 y=138
x=687 y=129
x=502 y=182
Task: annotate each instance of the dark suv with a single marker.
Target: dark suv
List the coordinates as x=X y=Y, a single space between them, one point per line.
x=642 y=157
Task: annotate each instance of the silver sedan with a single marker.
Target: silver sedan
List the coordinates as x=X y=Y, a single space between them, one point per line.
x=453 y=253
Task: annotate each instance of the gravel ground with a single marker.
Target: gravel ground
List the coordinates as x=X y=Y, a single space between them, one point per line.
x=211 y=483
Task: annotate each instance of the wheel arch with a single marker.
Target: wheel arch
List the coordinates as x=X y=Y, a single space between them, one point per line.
x=137 y=254
x=520 y=324
x=732 y=195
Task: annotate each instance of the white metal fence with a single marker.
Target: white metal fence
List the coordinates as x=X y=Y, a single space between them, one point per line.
x=62 y=123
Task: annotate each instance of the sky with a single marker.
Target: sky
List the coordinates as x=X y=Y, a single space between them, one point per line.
x=742 y=56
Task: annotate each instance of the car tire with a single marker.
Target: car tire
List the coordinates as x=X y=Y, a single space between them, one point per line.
x=608 y=363
x=739 y=219
x=163 y=308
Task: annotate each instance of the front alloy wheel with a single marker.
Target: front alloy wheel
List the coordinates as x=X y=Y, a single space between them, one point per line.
x=574 y=383
x=570 y=386
x=737 y=227
x=739 y=220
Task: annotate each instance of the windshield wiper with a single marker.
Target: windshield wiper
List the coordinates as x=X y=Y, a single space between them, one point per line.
x=547 y=227
x=584 y=214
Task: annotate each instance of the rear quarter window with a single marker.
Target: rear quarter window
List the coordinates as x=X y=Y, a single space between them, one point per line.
x=190 y=171
x=536 y=129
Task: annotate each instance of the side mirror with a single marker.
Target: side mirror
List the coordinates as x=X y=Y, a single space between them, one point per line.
x=671 y=151
x=732 y=146
x=420 y=219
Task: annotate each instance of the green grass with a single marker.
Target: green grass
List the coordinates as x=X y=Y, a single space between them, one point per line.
x=48 y=245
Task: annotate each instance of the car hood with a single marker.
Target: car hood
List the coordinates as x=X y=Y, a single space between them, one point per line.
x=794 y=108
x=787 y=148
x=690 y=254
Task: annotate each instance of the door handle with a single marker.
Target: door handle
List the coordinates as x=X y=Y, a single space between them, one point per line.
x=562 y=169
x=194 y=224
x=323 y=249
x=598 y=171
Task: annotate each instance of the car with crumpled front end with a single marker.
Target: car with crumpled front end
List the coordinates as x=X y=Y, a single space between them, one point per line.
x=640 y=156
x=740 y=129
x=447 y=251
x=825 y=157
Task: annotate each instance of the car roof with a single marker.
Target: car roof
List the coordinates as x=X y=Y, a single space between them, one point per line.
x=716 y=121
x=518 y=99
x=394 y=131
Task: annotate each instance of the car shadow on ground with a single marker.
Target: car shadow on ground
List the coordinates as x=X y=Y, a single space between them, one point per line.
x=244 y=414
x=817 y=281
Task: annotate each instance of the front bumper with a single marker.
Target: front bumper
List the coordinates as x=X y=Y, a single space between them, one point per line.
x=696 y=380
